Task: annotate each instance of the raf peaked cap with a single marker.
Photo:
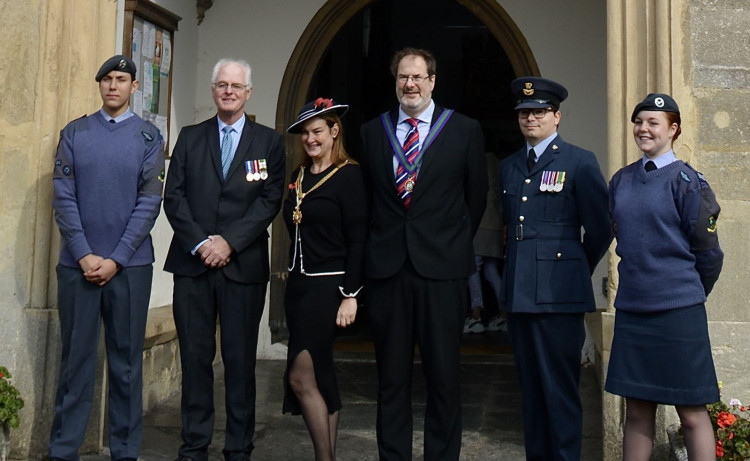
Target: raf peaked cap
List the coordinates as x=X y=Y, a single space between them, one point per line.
x=315 y=109
x=537 y=93
x=659 y=102
x=120 y=63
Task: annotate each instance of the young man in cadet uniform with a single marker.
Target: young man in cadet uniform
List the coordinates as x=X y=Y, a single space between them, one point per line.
x=107 y=180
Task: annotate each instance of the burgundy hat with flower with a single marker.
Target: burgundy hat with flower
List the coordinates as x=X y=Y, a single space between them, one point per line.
x=314 y=109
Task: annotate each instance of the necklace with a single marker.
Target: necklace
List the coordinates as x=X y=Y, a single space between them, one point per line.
x=297 y=213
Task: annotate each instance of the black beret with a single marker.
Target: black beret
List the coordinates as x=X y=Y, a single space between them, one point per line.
x=314 y=109
x=120 y=63
x=657 y=102
x=537 y=93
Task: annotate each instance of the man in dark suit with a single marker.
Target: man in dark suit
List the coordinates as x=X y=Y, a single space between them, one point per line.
x=550 y=190
x=224 y=187
x=427 y=179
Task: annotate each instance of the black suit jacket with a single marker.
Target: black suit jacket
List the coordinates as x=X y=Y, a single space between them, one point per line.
x=198 y=202
x=447 y=203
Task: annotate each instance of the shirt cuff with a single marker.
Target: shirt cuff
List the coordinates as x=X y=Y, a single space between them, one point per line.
x=349 y=295
x=195 y=250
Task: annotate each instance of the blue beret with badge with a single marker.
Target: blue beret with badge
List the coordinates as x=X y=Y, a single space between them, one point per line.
x=538 y=93
x=658 y=102
x=119 y=63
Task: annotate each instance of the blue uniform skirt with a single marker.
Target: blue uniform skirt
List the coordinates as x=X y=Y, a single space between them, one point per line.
x=663 y=357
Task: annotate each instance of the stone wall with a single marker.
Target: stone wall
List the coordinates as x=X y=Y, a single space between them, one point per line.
x=717 y=47
x=51 y=49
x=697 y=50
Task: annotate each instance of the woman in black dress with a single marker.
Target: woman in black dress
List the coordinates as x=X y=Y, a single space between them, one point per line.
x=326 y=215
x=664 y=216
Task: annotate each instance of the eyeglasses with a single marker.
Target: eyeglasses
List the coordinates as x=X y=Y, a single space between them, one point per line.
x=417 y=79
x=537 y=113
x=222 y=86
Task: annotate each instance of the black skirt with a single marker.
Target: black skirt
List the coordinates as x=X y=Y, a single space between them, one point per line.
x=663 y=357
x=311 y=305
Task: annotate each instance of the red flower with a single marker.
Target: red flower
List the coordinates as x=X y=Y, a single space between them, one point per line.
x=292 y=186
x=321 y=103
x=719 y=449
x=724 y=419
x=1 y=375
x=731 y=435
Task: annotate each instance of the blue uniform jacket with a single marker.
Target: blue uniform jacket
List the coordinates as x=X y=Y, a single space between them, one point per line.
x=549 y=260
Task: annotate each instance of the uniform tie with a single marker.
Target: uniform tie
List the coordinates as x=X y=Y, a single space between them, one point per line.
x=650 y=166
x=226 y=150
x=404 y=180
x=531 y=159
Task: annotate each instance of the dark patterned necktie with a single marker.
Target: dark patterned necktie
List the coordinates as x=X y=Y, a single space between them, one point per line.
x=531 y=159
x=404 y=180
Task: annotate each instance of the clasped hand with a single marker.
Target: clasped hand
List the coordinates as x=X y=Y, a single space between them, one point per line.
x=215 y=252
x=97 y=269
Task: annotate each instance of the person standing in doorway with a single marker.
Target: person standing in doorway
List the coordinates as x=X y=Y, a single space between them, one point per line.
x=224 y=187
x=551 y=190
x=326 y=215
x=425 y=169
x=107 y=181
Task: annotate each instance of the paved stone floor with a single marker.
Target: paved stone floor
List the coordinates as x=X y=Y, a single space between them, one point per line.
x=491 y=400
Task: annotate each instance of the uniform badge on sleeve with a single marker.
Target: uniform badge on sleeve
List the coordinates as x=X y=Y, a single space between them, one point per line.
x=684 y=176
x=711 y=224
x=147 y=135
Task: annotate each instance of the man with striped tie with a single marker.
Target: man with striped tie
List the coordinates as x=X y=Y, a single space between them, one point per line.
x=427 y=180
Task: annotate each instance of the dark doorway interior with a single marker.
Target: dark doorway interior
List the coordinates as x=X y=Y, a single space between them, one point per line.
x=473 y=71
x=473 y=77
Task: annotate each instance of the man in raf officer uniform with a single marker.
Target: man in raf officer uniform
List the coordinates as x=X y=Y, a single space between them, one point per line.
x=550 y=191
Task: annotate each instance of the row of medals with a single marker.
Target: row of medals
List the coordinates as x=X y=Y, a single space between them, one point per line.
x=552 y=181
x=256 y=170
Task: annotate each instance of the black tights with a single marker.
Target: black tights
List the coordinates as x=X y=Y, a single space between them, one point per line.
x=321 y=425
x=639 y=431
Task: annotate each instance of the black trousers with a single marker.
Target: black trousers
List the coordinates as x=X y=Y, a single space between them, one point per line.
x=547 y=352
x=197 y=302
x=405 y=309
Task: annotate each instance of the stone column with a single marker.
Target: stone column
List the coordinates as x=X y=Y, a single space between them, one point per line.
x=645 y=55
x=51 y=51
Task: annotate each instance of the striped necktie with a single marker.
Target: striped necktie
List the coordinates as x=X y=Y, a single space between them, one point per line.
x=226 y=150
x=404 y=180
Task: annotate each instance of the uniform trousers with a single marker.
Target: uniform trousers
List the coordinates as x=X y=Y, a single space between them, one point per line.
x=547 y=352
x=122 y=305
x=405 y=309
x=239 y=306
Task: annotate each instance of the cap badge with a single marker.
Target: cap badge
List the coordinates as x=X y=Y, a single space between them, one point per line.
x=528 y=90
x=122 y=64
x=659 y=102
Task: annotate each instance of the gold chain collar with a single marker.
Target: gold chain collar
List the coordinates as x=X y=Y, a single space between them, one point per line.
x=297 y=213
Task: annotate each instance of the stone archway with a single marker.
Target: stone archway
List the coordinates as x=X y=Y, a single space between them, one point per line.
x=312 y=45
